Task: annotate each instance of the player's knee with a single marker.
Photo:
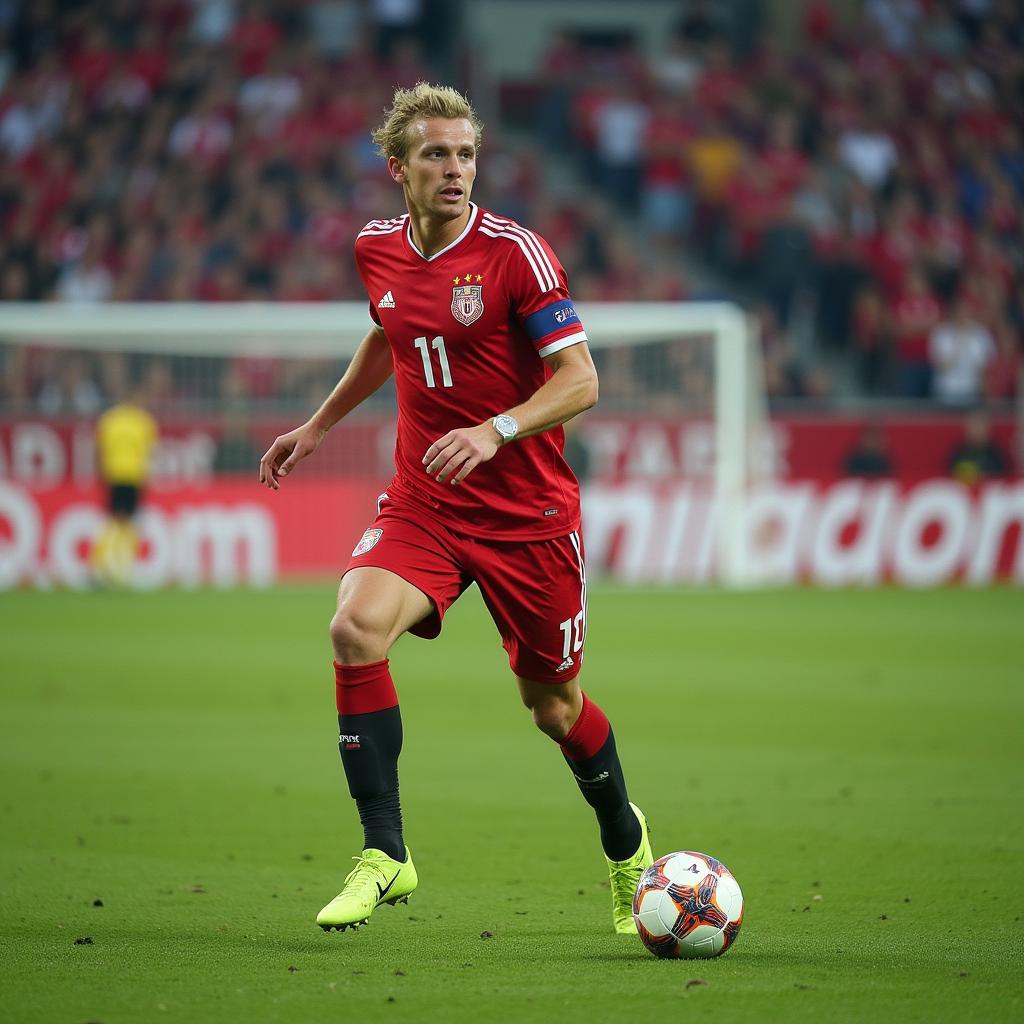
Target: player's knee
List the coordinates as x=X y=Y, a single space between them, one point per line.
x=356 y=638
x=553 y=716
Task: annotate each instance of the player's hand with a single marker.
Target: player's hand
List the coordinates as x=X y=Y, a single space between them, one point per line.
x=286 y=451
x=459 y=452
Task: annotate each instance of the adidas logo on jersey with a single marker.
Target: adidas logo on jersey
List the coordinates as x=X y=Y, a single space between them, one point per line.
x=568 y=663
x=388 y=302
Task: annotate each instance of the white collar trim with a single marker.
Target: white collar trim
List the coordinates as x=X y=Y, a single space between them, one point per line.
x=451 y=245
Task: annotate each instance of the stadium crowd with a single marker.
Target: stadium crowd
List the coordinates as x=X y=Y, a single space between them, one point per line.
x=872 y=177
x=869 y=180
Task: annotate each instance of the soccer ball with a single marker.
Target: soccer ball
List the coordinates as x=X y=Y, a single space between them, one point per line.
x=688 y=905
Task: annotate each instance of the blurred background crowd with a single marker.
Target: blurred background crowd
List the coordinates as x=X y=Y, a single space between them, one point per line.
x=859 y=184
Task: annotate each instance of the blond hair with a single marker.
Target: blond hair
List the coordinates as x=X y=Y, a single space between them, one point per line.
x=422 y=100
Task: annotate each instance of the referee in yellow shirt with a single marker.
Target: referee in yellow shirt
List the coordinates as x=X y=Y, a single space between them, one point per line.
x=125 y=438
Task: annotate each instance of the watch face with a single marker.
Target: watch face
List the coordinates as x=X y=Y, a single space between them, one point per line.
x=506 y=426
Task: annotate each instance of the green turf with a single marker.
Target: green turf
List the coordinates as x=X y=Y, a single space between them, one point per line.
x=854 y=757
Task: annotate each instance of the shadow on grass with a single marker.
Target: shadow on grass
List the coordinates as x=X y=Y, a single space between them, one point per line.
x=377 y=948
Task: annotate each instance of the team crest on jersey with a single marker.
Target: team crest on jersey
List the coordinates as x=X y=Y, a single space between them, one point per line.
x=367 y=541
x=468 y=303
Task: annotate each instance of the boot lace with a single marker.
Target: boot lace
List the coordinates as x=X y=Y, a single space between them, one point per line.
x=365 y=877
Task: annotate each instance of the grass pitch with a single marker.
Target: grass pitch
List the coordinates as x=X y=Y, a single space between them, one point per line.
x=854 y=757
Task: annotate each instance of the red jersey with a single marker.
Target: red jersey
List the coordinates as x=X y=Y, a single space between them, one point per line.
x=469 y=328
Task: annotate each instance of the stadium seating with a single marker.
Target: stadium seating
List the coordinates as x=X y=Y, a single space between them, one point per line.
x=858 y=182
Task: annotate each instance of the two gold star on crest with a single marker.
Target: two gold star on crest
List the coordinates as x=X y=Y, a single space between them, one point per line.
x=468 y=278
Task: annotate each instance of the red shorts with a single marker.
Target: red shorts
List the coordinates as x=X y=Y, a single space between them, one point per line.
x=536 y=591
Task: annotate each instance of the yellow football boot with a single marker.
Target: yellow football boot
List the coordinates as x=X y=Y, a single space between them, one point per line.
x=376 y=879
x=625 y=876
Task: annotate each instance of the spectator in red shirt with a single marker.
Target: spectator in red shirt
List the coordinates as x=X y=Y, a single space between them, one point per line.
x=782 y=159
x=818 y=22
x=754 y=205
x=897 y=246
x=93 y=61
x=667 y=202
x=275 y=237
x=149 y=59
x=58 y=182
x=255 y=37
x=916 y=313
x=223 y=284
x=719 y=82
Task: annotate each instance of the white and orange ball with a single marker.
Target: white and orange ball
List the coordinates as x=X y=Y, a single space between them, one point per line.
x=688 y=905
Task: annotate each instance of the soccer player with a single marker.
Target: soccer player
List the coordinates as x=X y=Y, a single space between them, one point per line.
x=472 y=314
x=126 y=435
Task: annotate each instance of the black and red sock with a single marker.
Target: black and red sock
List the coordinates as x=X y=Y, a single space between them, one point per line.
x=370 y=740
x=589 y=750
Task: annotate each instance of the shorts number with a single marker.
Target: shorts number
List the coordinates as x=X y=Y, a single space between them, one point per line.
x=428 y=370
x=573 y=627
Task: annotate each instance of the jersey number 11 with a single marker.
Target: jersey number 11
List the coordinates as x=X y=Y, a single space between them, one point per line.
x=428 y=370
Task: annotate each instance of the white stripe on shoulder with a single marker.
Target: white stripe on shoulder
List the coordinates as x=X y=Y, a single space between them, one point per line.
x=538 y=258
x=543 y=261
x=541 y=283
x=386 y=223
x=542 y=258
x=511 y=225
x=559 y=343
x=383 y=227
x=379 y=231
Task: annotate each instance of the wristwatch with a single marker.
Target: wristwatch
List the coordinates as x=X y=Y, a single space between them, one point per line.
x=506 y=426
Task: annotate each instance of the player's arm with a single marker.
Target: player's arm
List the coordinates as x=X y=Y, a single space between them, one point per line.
x=371 y=366
x=571 y=389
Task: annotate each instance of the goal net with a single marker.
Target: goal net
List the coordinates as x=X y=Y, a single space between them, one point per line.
x=682 y=407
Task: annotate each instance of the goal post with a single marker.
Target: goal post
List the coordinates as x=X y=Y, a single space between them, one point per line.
x=738 y=402
x=327 y=334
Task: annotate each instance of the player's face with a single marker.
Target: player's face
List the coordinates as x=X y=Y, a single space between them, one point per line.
x=439 y=167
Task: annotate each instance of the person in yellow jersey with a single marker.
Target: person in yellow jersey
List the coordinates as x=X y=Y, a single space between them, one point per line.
x=126 y=435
